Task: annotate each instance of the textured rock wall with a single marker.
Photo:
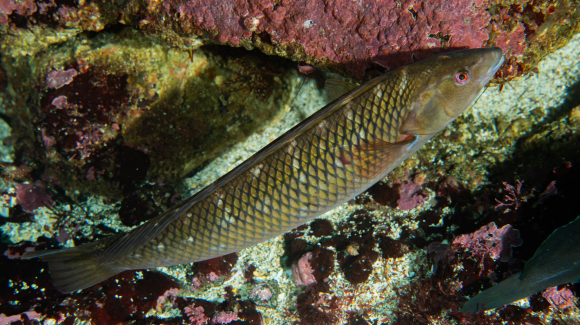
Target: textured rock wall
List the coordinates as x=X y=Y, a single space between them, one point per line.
x=345 y=36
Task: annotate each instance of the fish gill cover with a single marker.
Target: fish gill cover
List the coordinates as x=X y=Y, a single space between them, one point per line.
x=388 y=256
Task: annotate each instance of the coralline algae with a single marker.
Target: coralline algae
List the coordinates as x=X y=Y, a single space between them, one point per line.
x=113 y=112
x=352 y=35
x=340 y=35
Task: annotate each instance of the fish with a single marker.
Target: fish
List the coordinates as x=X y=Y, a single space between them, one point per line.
x=555 y=262
x=334 y=155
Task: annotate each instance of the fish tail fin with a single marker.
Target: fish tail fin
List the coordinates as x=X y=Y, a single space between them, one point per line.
x=510 y=290
x=75 y=268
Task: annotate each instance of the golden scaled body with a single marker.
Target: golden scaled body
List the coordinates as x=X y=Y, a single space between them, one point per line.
x=305 y=177
x=334 y=155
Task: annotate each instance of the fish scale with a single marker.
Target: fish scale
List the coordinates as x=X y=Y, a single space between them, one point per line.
x=287 y=188
x=332 y=156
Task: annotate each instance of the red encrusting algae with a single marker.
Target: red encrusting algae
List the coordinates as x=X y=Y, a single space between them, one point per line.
x=489 y=240
x=389 y=33
x=33 y=196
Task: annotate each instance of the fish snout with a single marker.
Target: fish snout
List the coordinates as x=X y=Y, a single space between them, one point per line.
x=495 y=55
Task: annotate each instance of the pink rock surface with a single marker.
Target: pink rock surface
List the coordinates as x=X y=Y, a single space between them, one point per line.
x=213 y=277
x=196 y=315
x=48 y=140
x=559 y=299
x=60 y=101
x=21 y=7
x=262 y=293
x=59 y=78
x=513 y=41
x=491 y=240
x=411 y=195
x=302 y=271
x=355 y=33
x=224 y=317
x=33 y=196
x=23 y=318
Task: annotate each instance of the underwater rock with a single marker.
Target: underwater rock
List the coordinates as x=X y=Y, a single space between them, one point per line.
x=33 y=196
x=195 y=314
x=350 y=37
x=261 y=293
x=230 y=310
x=66 y=14
x=213 y=270
x=410 y=195
x=489 y=240
x=336 y=35
x=117 y=110
x=57 y=79
x=302 y=271
x=321 y=228
x=130 y=296
x=391 y=248
x=553 y=264
x=559 y=299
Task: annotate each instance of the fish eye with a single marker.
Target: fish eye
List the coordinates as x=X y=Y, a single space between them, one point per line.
x=462 y=77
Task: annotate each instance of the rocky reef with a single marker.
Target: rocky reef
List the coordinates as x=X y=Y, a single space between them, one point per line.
x=343 y=36
x=109 y=110
x=112 y=112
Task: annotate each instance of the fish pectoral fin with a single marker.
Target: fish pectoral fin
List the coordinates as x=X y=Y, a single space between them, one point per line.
x=75 y=268
x=335 y=88
x=428 y=117
x=374 y=156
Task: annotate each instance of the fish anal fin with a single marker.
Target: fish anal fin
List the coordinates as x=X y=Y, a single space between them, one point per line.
x=335 y=88
x=371 y=157
x=76 y=268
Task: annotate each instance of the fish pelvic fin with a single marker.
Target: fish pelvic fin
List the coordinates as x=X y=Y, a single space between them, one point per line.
x=510 y=290
x=75 y=268
x=371 y=157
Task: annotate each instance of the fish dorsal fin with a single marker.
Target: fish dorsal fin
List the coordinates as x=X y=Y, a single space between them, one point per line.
x=335 y=88
x=373 y=156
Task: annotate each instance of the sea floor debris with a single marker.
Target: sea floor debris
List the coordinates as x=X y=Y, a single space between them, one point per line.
x=386 y=261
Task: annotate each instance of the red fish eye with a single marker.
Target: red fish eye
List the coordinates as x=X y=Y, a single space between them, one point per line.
x=462 y=77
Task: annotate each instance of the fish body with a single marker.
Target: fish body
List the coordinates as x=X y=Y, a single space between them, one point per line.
x=556 y=262
x=334 y=155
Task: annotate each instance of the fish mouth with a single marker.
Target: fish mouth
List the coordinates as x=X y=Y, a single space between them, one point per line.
x=497 y=65
x=499 y=59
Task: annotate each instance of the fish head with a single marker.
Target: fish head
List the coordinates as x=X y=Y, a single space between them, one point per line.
x=447 y=85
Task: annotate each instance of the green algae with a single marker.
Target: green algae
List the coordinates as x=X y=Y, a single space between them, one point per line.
x=221 y=105
x=179 y=108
